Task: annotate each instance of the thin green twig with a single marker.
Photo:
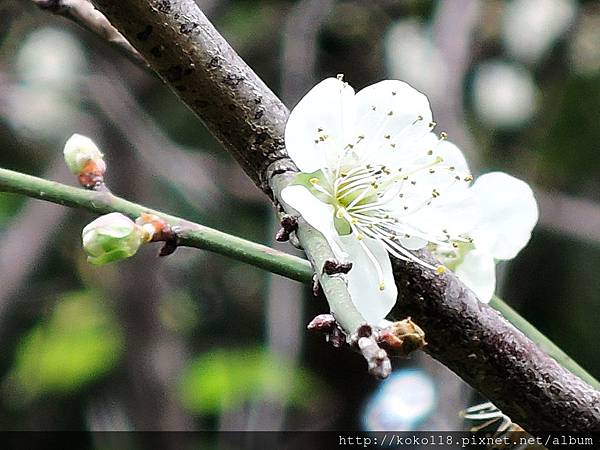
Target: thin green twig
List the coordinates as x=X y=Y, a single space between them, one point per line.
x=195 y=235
x=190 y=235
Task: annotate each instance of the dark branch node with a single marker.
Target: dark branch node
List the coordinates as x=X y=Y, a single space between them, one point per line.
x=333 y=267
x=289 y=224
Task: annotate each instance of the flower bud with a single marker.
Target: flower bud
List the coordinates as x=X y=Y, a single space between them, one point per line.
x=111 y=237
x=81 y=153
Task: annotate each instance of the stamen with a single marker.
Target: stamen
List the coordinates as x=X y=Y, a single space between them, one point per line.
x=375 y=263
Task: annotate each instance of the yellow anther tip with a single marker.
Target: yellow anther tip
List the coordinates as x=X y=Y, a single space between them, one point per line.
x=381 y=286
x=440 y=269
x=314 y=180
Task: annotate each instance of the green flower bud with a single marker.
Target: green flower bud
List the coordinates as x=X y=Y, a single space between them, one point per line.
x=111 y=237
x=82 y=155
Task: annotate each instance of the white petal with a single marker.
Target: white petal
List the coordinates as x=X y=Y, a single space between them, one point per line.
x=412 y=242
x=328 y=108
x=508 y=214
x=455 y=214
x=318 y=214
x=452 y=156
x=390 y=115
x=478 y=272
x=363 y=280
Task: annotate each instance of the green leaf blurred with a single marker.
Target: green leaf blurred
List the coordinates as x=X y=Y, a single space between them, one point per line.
x=226 y=379
x=77 y=343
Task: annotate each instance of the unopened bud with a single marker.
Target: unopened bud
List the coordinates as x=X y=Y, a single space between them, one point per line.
x=80 y=151
x=111 y=237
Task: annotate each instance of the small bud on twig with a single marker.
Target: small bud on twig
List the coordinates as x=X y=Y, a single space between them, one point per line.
x=111 y=237
x=289 y=224
x=156 y=229
x=325 y=323
x=402 y=338
x=85 y=160
x=333 y=267
x=379 y=364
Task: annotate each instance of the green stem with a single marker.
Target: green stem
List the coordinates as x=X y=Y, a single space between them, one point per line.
x=199 y=236
x=190 y=235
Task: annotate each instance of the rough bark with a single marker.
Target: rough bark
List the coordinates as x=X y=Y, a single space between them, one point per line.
x=476 y=342
x=186 y=51
x=241 y=111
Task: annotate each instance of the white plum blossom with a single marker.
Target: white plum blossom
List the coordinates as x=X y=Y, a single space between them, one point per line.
x=375 y=180
x=505 y=212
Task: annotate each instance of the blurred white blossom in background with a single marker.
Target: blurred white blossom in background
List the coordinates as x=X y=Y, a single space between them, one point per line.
x=403 y=401
x=45 y=101
x=51 y=58
x=585 y=46
x=504 y=94
x=412 y=56
x=531 y=27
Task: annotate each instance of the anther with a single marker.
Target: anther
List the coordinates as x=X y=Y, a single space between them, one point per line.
x=340 y=76
x=432 y=124
x=391 y=113
x=443 y=135
x=440 y=269
x=314 y=180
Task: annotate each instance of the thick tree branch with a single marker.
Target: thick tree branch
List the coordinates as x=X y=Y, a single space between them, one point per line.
x=184 y=48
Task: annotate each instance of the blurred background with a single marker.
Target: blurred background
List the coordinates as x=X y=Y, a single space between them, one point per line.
x=198 y=341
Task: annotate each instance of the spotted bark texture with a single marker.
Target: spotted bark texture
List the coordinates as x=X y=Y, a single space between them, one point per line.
x=472 y=339
x=186 y=51
x=489 y=353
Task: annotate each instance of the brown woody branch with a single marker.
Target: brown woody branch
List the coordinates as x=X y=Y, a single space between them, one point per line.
x=241 y=111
